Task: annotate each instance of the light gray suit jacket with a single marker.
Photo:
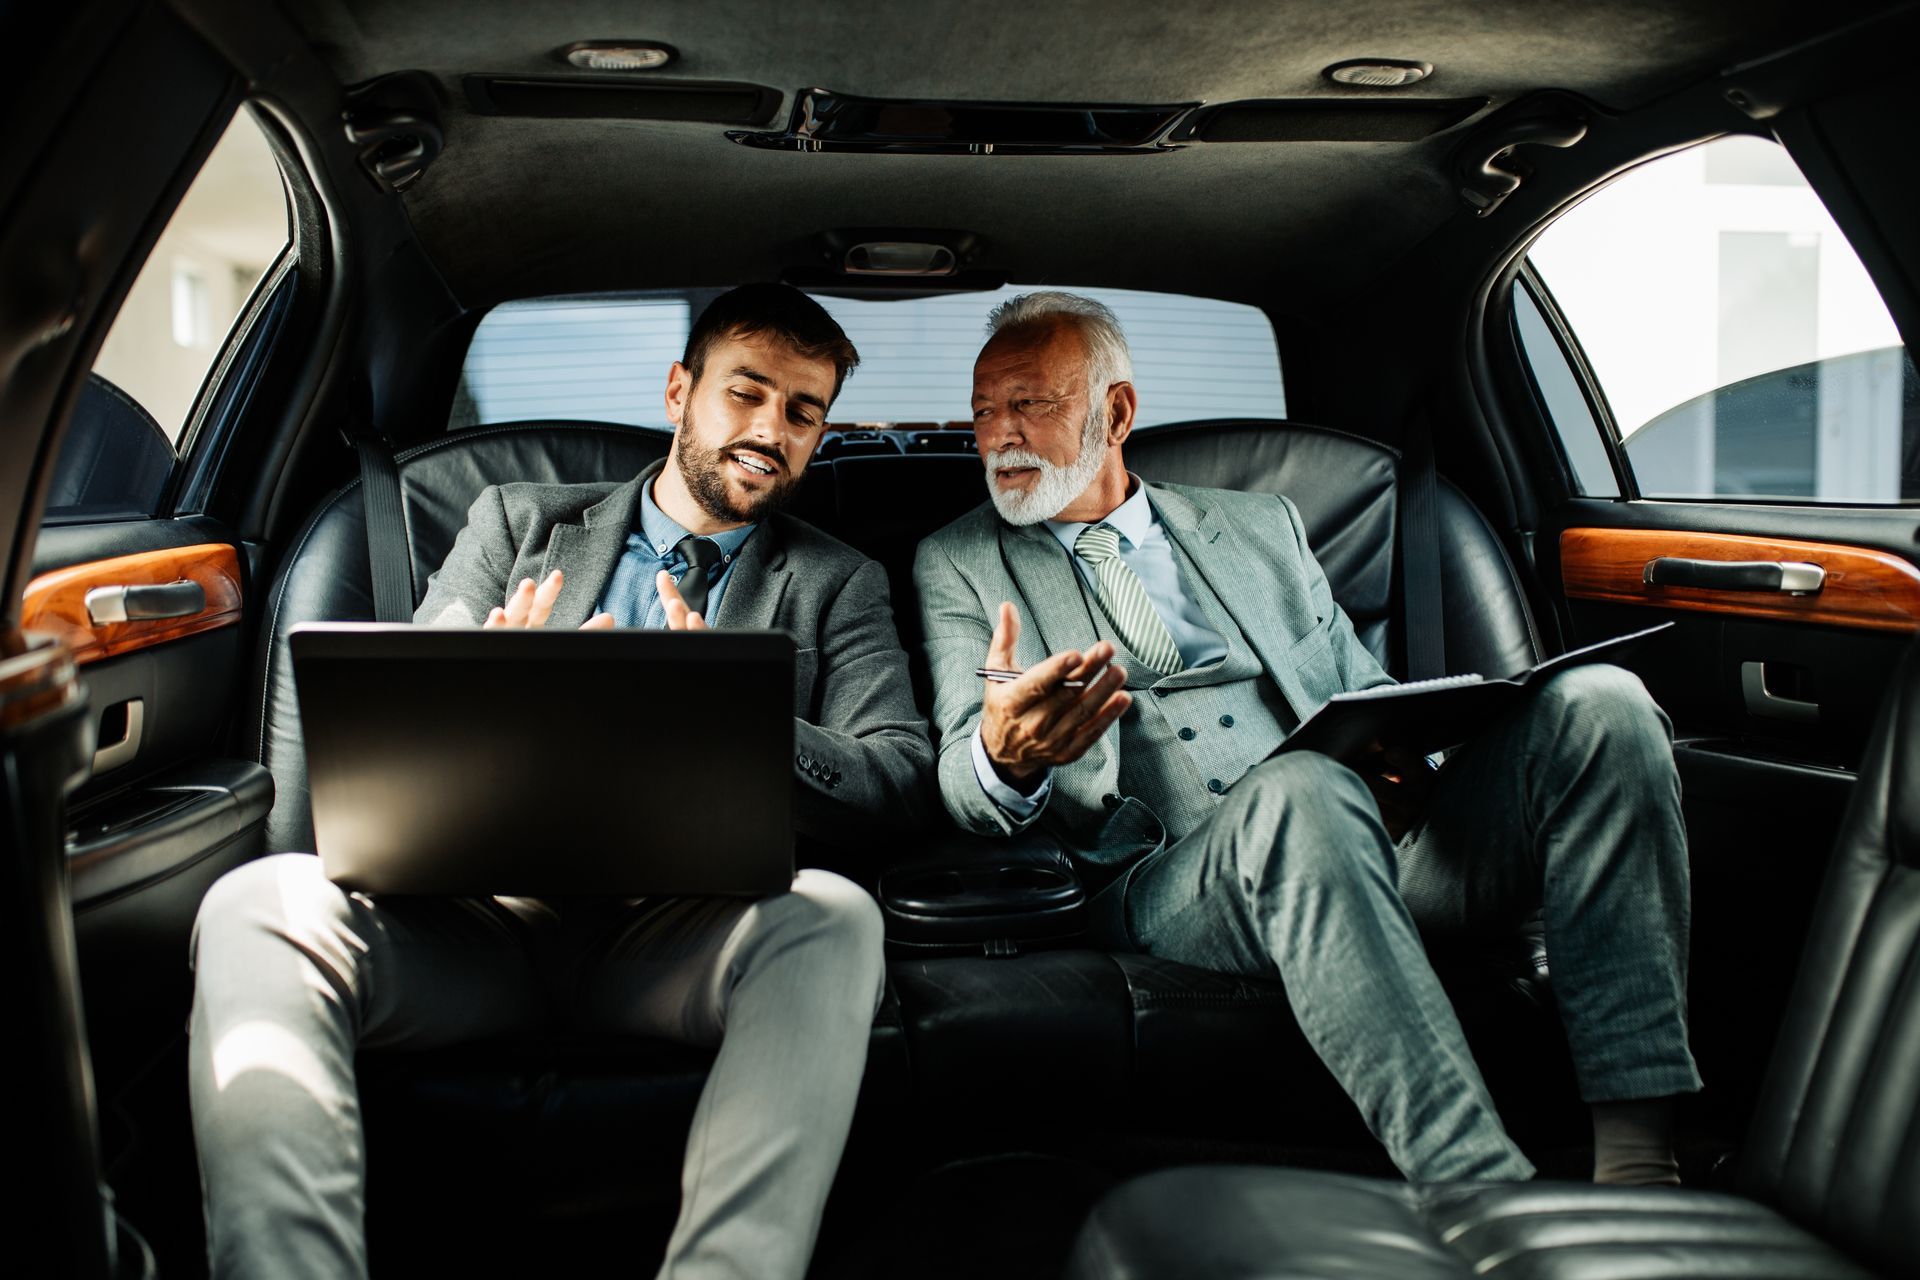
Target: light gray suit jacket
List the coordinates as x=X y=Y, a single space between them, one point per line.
x=861 y=747
x=1252 y=550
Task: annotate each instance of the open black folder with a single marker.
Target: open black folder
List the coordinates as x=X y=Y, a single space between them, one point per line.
x=1429 y=715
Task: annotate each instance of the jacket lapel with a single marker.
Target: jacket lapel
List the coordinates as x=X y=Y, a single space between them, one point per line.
x=1055 y=615
x=757 y=581
x=1240 y=580
x=587 y=552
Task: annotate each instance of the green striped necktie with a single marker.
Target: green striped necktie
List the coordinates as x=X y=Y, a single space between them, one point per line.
x=1124 y=597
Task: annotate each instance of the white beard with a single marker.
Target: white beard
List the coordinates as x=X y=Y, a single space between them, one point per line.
x=1058 y=485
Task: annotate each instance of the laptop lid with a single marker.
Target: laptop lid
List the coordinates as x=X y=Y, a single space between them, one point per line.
x=537 y=763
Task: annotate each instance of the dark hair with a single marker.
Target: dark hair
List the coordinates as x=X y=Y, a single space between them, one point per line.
x=780 y=311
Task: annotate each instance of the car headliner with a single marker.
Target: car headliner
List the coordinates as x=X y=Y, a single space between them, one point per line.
x=520 y=206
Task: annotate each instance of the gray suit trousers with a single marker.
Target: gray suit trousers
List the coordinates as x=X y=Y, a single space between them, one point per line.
x=1569 y=805
x=294 y=975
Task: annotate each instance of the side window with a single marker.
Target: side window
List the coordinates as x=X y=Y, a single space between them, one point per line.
x=1738 y=349
x=134 y=410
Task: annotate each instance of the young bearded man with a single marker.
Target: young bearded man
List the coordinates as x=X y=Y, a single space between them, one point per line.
x=1202 y=631
x=294 y=974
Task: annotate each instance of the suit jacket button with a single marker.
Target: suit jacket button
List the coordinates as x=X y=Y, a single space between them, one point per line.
x=1186 y=734
x=1216 y=786
x=1111 y=800
x=835 y=779
x=1158 y=692
x=802 y=760
x=1226 y=722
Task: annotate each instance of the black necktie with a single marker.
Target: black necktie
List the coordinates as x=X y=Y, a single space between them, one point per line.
x=701 y=555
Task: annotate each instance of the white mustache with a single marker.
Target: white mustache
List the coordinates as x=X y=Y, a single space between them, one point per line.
x=1008 y=458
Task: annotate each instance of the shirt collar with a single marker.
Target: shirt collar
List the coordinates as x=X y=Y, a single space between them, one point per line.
x=661 y=531
x=1133 y=518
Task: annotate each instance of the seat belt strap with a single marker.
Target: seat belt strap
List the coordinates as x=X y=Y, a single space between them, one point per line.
x=1426 y=622
x=388 y=556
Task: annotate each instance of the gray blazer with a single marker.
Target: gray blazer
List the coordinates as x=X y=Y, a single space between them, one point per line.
x=861 y=747
x=1252 y=550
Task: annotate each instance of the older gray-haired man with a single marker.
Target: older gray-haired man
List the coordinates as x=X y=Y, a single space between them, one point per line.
x=1213 y=854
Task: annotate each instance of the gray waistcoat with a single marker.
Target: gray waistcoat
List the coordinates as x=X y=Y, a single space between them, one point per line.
x=1190 y=736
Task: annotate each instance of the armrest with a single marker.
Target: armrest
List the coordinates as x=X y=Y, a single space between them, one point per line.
x=964 y=893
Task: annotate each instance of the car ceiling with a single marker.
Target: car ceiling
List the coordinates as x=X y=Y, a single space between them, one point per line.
x=521 y=206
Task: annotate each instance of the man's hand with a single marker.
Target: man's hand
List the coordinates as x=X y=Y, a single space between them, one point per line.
x=679 y=617
x=1035 y=722
x=531 y=604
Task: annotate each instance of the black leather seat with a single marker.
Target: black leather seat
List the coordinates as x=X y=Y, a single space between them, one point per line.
x=1830 y=1174
x=1153 y=1029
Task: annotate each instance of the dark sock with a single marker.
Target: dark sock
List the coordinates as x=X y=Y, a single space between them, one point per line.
x=1633 y=1143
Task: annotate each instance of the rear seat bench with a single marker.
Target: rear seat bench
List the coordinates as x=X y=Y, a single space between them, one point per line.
x=1170 y=1048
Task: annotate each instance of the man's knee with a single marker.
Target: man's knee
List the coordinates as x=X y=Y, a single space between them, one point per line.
x=1305 y=815
x=1605 y=707
x=284 y=894
x=834 y=919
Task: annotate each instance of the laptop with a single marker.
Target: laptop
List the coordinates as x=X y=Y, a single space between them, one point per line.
x=537 y=763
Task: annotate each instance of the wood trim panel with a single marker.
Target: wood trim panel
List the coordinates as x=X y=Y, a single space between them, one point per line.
x=56 y=602
x=1864 y=589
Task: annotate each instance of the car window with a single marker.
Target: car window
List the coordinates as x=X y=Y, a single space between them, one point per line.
x=1736 y=345
x=135 y=407
x=605 y=358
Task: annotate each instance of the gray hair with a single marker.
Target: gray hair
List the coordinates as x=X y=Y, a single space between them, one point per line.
x=1108 y=360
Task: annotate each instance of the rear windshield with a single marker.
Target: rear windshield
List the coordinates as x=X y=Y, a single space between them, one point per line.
x=605 y=358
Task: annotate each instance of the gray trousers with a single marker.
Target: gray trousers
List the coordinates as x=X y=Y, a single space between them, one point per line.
x=1569 y=805
x=293 y=975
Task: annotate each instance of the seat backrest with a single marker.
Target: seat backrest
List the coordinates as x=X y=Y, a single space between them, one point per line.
x=883 y=504
x=1835 y=1143
x=1346 y=488
x=326 y=577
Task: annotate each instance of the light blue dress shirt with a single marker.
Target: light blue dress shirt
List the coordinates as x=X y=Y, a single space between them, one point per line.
x=631 y=596
x=1144 y=548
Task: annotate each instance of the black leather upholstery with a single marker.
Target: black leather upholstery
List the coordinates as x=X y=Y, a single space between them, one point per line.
x=1247 y=1222
x=1836 y=1142
x=1832 y=1164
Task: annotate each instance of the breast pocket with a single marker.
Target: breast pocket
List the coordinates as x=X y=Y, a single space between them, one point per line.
x=1311 y=662
x=806 y=665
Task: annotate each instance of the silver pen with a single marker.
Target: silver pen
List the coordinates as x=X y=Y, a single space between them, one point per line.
x=1002 y=676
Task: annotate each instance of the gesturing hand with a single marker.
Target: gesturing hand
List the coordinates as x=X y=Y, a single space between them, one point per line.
x=679 y=617
x=530 y=605
x=1036 y=722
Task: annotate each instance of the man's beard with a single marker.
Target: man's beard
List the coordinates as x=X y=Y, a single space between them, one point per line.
x=705 y=471
x=1057 y=485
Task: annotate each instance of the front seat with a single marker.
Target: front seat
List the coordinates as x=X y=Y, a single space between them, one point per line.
x=1830 y=1176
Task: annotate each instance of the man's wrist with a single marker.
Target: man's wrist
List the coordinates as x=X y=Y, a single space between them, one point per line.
x=1020 y=803
x=1025 y=783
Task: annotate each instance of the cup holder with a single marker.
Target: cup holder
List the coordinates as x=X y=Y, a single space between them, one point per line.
x=986 y=896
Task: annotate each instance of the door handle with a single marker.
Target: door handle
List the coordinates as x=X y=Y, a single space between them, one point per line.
x=112 y=755
x=178 y=599
x=1789 y=577
x=1762 y=701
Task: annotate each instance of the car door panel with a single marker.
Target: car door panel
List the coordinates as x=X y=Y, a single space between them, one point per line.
x=167 y=807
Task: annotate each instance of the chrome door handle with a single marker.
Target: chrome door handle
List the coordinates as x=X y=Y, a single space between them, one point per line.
x=1789 y=577
x=1762 y=701
x=112 y=755
x=178 y=599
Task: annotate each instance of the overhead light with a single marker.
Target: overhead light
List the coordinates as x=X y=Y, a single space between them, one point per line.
x=618 y=55
x=1379 y=73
